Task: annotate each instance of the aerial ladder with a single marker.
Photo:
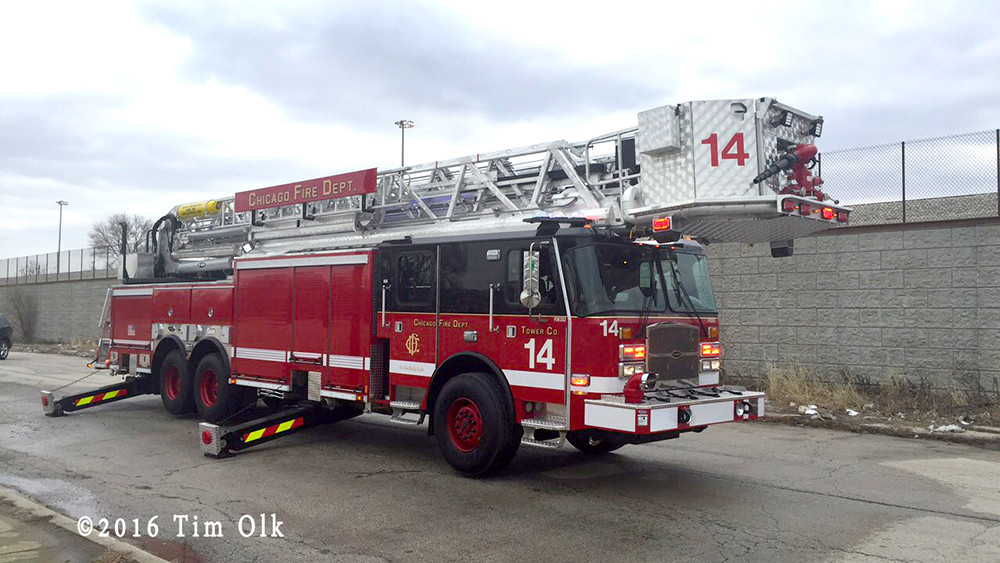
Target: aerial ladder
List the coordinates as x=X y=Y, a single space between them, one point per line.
x=723 y=171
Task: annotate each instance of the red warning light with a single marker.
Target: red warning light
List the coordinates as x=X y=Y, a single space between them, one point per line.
x=661 y=224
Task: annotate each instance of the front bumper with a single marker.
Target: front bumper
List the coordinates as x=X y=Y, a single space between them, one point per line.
x=673 y=411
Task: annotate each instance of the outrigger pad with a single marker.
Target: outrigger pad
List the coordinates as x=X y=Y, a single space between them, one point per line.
x=49 y=405
x=221 y=441
x=131 y=387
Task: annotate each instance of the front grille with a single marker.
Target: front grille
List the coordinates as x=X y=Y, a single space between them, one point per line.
x=672 y=351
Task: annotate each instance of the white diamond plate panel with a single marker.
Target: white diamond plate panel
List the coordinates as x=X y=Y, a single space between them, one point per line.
x=659 y=131
x=669 y=177
x=725 y=148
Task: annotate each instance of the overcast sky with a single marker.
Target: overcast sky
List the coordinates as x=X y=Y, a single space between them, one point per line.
x=118 y=106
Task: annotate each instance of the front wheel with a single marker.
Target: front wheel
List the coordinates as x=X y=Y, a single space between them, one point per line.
x=474 y=425
x=4 y=349
x=592 y=443
x=215 y=397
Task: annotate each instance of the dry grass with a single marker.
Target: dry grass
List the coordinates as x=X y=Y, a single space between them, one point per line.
x=796 y=384
x=966 y=397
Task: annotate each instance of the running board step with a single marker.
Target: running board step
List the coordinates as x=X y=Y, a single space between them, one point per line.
x=547 y=423
x=405 y=405
x=554 y=444
x=399 y=417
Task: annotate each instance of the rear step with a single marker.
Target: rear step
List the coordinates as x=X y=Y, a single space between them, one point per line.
x=131 y=387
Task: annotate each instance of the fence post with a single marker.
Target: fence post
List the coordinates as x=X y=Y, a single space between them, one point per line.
x=903 y=152
x=93 y=267
x=998 y=172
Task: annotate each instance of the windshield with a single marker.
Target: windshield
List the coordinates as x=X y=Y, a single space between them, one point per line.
x=619 y=279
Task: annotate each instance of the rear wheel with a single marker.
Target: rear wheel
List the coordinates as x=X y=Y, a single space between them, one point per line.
x=4 y=349
x=592 y=443
x=175 y=384
x=215 y=397
x=474 y=425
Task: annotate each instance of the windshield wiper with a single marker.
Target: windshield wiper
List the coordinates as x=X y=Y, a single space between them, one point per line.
x=681 y=290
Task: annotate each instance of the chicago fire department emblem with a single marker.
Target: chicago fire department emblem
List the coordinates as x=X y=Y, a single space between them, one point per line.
x=413 y=344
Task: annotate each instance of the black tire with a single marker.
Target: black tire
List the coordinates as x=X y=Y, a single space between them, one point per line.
x=275 y=403
x=489 y=438
x=176 y=389
x=215 y=398
x=4 y=349
x=593 y=444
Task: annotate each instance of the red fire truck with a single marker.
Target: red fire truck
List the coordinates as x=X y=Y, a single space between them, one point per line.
x=550 y=293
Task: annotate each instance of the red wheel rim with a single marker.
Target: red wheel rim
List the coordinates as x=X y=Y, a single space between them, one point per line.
x=172 y=378
x=465 y=424
x=209 y=388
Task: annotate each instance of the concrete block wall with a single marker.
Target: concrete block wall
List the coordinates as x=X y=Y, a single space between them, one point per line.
x=908 y=301
x=67 y=310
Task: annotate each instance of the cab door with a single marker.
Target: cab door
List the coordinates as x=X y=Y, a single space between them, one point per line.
x=407 y=318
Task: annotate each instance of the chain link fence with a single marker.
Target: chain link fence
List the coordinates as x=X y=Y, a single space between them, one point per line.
x=953 y=177
x=80 y=264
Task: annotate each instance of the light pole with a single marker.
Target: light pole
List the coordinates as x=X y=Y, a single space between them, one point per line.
x=403 y=125
x=62 y=203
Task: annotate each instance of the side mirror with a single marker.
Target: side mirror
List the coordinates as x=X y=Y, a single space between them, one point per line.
x=530 y=295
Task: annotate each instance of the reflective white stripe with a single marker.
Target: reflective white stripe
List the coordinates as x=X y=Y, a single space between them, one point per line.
x=708 y=378
x=368 y=363
x=603 y=385
x=133 y=292
x=349 y=362
x=338 y=395
x=603 y=416
x=538 y=379
x=261 y=354
x=662 y=419
x=130 y=342
x=340 y=259
x=405 y=367
x=263 y=385
x=760 y=407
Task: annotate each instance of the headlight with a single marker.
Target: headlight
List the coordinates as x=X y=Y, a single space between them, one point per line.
x=627 y=370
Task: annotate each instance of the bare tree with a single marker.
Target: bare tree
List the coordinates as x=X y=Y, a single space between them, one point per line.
x=33 y=268
x=108 y=232
x=24 y=304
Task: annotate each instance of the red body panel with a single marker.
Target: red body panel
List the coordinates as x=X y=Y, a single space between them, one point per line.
x=212 y=305
x=263 y=321
x=131 y=319
x=311 y=312
x=350 y=323
x=171 y=305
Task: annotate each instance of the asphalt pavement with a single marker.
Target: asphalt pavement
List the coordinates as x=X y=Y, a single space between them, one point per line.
x=369 y=490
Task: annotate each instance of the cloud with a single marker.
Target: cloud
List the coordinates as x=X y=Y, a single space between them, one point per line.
x=140 y=106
